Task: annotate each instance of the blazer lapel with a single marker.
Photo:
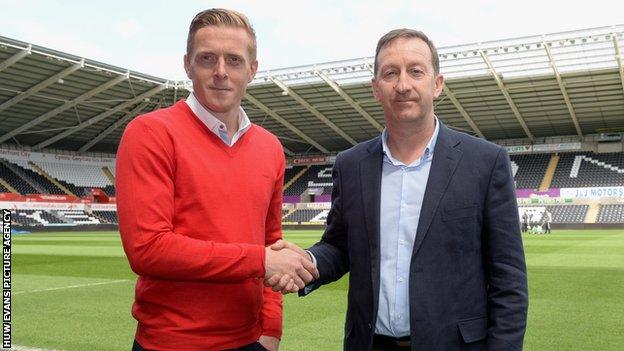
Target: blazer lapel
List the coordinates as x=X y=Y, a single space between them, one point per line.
x=445 y=159
x=370 y=177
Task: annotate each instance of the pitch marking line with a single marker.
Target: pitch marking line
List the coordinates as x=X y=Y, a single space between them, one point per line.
x=70 y=287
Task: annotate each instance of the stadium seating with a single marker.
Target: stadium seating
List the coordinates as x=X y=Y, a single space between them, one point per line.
x=318 y=176
x=290 y=172
x=109 y=217
x=568 y=213
x=529 y=170
x=17 y=182
x=34 y=218
x=79 y=179
x=588 y=169
x=307 y=216
x=80 y=175
x=611 y=214
x=41 y=181
x=560 y=213
x=78 y=217
x=109 y=190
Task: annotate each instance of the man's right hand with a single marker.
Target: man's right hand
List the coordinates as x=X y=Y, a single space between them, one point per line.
x=287 y=268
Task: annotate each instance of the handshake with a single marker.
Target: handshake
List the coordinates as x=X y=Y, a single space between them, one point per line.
x=288 y=267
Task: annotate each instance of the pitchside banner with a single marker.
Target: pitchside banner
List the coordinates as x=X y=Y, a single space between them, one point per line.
x=592 y=193
x=6 y=279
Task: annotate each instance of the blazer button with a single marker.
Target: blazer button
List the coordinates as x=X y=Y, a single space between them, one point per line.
x=370 y=326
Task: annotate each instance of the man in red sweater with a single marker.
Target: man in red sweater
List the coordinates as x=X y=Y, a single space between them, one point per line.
x=199 y=194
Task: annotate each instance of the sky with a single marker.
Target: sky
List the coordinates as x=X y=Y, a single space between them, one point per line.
x=150 y=36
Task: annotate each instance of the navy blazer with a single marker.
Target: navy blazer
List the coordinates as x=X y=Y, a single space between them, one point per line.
x=468 y=283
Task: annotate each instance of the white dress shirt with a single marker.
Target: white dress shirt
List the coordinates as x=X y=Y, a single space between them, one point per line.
x=215 y=125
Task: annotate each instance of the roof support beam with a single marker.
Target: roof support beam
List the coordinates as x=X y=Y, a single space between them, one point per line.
x=42 y=85
x=510 y=101
x=564 y=91
x=618 y=57
x=65 y=106
x=100 y=117
x=287 y=151
x=118 y=123
x=313 y=110
x=18 y=56
x=349 y=100
x=463 y=112
x=284 y=122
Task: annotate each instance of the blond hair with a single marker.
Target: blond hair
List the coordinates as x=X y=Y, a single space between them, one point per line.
x=221 y=17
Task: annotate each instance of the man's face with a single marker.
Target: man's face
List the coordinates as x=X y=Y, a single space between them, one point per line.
x=220 y=67
x=405 y=83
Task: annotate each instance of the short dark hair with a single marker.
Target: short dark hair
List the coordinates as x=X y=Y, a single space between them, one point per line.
x=407 y=34
x=221 y=17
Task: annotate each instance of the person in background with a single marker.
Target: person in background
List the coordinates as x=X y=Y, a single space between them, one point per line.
x=547 y=222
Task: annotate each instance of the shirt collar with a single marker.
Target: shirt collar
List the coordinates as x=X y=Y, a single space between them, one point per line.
x=212 y=122
x=428 y=149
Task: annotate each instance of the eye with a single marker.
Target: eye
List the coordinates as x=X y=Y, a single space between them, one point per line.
x=389 y=74
x=234 y=60
x=208 y=58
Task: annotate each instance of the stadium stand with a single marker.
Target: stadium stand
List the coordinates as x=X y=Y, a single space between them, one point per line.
x=15 y=180
x=588 y=169
x=78 y=179
x=529 y=170
x=109 y=190
x=36 y=217
x=109 y=217
x=560 y=213
x=318 y=176
x=307 y=216
x=290 y=172
x=473 y=94
x=35 y=179
x=79 y=176
x=568 y=213
x=77 y=217
x=611 y=214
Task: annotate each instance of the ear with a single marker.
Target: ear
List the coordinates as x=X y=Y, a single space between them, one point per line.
x=439 y=86
x=376 y=90
x=187 y=66
x=254 y=69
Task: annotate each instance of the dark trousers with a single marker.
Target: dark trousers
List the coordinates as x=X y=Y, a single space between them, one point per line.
x=387 y=343
x=256 y=346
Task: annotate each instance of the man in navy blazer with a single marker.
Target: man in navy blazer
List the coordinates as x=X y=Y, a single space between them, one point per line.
x=425 y=220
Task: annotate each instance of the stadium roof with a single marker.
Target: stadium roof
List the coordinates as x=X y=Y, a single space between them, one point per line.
x=569 y=83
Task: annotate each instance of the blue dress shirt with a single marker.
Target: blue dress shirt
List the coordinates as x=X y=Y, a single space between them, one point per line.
x=402 y=191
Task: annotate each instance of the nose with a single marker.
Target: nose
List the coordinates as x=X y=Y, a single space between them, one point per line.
x=220 y=70
x=402 y=84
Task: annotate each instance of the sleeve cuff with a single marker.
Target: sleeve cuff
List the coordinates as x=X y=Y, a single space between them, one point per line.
x=312 y=257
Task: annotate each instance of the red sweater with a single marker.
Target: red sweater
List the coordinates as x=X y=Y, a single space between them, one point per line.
x=195 y=216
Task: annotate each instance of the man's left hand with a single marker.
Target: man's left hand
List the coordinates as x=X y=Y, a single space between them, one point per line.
x=270 y=343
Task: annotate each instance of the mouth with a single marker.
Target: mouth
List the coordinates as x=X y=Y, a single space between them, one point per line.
x=220 y=89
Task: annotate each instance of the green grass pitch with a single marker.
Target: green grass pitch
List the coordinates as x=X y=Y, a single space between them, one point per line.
x=73 y=291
